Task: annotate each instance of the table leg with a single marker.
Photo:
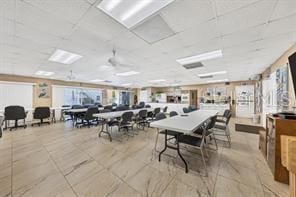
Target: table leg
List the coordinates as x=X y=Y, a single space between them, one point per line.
x=165 y=146
x=107 y=131
x=179 y=153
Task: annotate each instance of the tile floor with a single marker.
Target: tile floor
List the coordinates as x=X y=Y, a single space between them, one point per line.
x=59 y=160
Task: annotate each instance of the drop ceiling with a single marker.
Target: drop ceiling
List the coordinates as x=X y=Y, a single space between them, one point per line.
x=252 y=34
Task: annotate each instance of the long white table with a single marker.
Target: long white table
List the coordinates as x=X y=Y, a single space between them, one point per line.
x=182 y=124
x=185 y=123
x=111 y=115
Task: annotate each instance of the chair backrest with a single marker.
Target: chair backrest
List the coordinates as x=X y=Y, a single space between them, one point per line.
x=90 y=111
x=192 y=108
x=142 y=104
x=127 y=116
x=14 y=112
x=160 y=116
x=165 y=109
x=228 y=118
x=173 y=113
x=212 y=122
x=156 y=111
x=66 y=106
x=186 y=110
x=41 y=112
x=122 y=108
x=106 y=110
x=76 y=107
x=114 y=104
x=143 y=113
x=98 y=104
x=147 y=106
x=226 y=112
x=134 y=106
x=110 y=107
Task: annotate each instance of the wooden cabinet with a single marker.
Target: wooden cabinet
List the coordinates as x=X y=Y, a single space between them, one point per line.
x=275 y=127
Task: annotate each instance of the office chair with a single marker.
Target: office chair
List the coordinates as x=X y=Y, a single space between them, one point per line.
x=173 y=113
x=165 y=109
x=88 y=119
x=126 y=121
x=41 y=113
x=141 y=119
x=141 y=104
x=186 y=110
x=15 y=112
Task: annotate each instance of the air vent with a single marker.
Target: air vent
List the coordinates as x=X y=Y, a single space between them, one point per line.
x=206 y=77
x=153 y=30
x=193 y=65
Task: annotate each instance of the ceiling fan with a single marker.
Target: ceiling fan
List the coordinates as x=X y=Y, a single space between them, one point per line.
x=70 y=77
x=114 y=62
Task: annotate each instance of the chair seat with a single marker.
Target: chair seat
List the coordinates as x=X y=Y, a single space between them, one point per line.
x=190 y=140
x=170 y=132
x=218 y=126
x=220 y=120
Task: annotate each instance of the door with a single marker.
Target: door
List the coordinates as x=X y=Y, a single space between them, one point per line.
x=193 y=98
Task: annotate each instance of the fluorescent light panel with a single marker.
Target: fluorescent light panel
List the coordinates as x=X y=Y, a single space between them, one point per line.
x=97 y=80
x=112 y=4
x=200 y=57
x=64 y=57
x=126 y=84
x=157 y=80
x=218 y=80
x=131 y=12
x=212 y=73
x=44 y=73
x=129 y=73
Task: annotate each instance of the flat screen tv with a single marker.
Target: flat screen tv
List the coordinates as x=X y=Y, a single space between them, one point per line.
x=292 y=62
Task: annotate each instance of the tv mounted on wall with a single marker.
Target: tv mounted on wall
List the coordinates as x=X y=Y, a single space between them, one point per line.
x=292 y=63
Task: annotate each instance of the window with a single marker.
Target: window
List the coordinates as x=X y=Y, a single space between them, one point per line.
x=79 y=96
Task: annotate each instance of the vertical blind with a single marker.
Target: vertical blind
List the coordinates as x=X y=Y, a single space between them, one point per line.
x=13 y=93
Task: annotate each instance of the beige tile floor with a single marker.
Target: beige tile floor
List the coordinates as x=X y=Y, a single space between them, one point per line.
x=59 y=160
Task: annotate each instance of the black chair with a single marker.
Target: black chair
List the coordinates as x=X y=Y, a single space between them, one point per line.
x=122 y=108
x=186 y=110
x=141 y=104
x=192 y=108
x=1 y=124
x=88 y=119
x=223 y=118
x=141 y=119
x=126 y=121
x=197 y=142
x=114 y=104
x=109 y=107
x=223 y=129
x=165 y=109
x=173 y=113
x=15 y=112
x=98 y=105
x=147 y=106
x=41 y=113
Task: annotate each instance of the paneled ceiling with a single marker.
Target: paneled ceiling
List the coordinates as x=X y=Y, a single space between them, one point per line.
x=252 y=34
